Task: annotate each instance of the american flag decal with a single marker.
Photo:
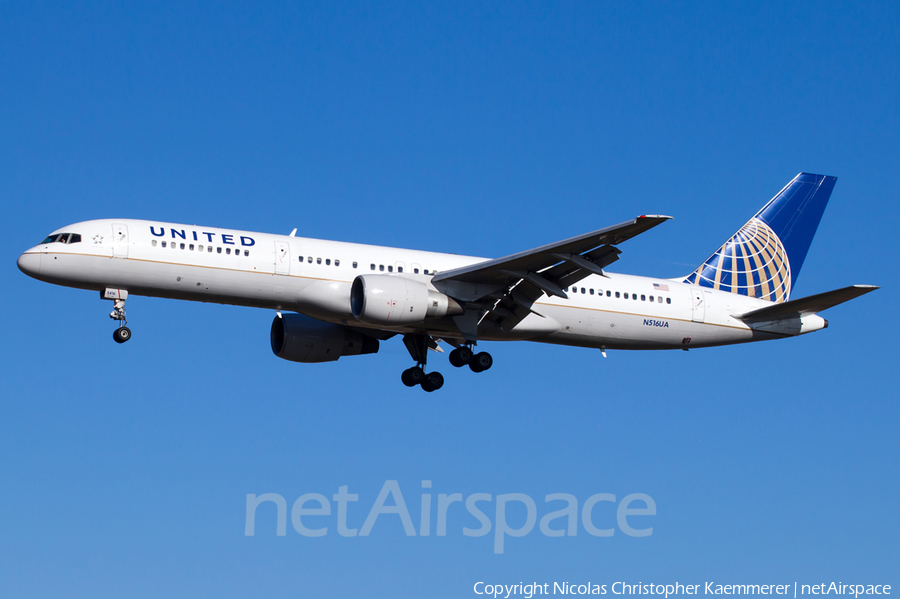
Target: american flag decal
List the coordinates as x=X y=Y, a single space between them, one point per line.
x=660 y=287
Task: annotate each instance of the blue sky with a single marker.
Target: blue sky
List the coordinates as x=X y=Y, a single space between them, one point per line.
x=468 y=128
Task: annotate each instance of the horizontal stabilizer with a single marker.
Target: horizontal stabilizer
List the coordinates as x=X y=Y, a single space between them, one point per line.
x=807 y=305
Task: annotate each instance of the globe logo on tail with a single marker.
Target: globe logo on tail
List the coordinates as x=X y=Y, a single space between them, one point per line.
x=752 y=263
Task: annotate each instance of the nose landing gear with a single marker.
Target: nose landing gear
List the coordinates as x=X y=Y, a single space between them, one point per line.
x=123 y=333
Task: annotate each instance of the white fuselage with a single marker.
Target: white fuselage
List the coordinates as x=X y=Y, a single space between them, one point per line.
x=314 y=277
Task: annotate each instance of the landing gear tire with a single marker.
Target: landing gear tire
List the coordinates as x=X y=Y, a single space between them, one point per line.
x=122 y=334
x=432 y=381
x=413 y=376
x=460 y=356
x=481 y=362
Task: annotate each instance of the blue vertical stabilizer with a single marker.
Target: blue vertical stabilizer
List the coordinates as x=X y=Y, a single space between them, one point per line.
x=764 y=257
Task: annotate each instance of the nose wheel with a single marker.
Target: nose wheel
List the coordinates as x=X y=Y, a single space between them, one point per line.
x=122 y=334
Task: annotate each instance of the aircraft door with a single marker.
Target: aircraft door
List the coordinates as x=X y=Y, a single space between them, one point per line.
x=699 y=305
x=120 y=240
x=282 y=258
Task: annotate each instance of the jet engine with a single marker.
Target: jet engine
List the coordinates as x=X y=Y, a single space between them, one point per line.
x=300 y=338
x=392 y=300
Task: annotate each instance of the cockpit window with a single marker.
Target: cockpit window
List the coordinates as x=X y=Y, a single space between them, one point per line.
x=63 y=238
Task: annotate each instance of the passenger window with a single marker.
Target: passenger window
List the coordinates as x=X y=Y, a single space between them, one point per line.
x=390 y=269
x=372 y=267
x=643 y=298
x=399 y=269
x=626 y=295
x=659 y=299
x=381 y=267
x=327 y=261
x=582 y=290
x=416 y=271
x=318 y=261
x=182 y=246
x=246 y=252
x=617 y=294
x=668 y=300
x=199 y=248
x=301 y=258
x=191 y=247
x=218 y=250
x=609 y=294
x=651 y=298
x=309 y=259
x=634 y=296
x=209 y=249
x=153 y=243
x=355 y=265
x=227 y=250
x=337 y=262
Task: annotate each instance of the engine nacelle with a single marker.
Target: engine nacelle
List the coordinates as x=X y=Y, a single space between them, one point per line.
x=300 y=338
x=387 y=300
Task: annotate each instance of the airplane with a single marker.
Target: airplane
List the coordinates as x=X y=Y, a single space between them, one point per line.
x=335 y=299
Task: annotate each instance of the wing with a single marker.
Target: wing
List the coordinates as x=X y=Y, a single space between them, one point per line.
x=506 y=288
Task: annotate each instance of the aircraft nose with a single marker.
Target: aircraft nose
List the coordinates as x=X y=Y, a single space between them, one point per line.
x=30 y=264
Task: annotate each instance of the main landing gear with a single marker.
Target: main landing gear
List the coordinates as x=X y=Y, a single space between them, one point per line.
x=416 y=376
x=479 y=362
x=123 y=333
x=418 y=345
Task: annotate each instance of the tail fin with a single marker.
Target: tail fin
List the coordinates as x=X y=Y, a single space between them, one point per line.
x=764 y=258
